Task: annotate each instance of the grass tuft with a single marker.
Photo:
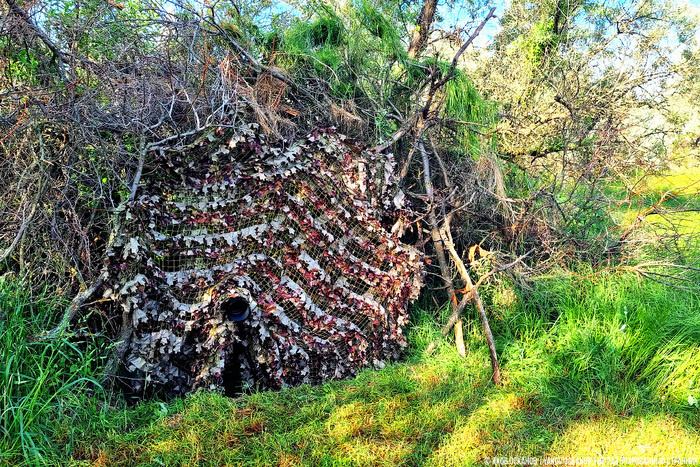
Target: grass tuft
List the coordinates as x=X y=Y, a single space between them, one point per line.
x=39 y=379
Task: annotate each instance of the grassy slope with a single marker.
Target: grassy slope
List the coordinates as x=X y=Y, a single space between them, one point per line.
x=577 y=384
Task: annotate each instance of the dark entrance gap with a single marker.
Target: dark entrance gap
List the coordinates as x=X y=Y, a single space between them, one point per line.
x=236 y=309
x=232 y=382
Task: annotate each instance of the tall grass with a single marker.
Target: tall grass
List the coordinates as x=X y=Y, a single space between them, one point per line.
x=41 y=381
x=604 y=341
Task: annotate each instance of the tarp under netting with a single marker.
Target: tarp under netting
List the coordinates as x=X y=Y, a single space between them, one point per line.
x=241 y=263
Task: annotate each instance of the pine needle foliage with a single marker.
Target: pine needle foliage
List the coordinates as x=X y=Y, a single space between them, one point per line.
x=314 y=49
x=471 y=111
x=389 y=44
x=352 y=53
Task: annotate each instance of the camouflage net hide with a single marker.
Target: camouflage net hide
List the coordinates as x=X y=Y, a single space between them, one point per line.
x=292 y=231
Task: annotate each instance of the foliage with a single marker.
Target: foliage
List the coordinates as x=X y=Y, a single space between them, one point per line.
x=91 y=85
x=585 y=71
x=578 y=115
x=75 y=129
x=475 y=114
x=316 y=48
x=363 y=64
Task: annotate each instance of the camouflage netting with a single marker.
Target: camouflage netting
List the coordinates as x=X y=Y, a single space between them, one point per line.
x=290 y=231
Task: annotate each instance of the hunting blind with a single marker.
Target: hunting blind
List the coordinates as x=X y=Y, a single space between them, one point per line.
x=239 y=262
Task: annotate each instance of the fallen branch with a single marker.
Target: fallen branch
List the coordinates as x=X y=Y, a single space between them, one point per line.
x=139 y=170
x=28 y=219
x=665 y=264
x=442 y=238
x=255 y=64
x=641 y=271
x=455 y=316
x=20 y=233
x=462 y=49
x=72 y=309
x=123 y=342
x=416 y=118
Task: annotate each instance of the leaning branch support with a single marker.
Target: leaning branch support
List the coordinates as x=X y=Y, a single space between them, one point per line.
x=83 y=296
x=442 y=238
x=438 y=242
x=474 y=293
x=73 y=308
x=458 y=311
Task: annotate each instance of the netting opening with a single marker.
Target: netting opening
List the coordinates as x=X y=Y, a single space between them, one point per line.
x=232 y=379
x=236 y=309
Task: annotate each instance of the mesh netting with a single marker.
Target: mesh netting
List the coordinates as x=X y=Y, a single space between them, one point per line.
x=291 y=232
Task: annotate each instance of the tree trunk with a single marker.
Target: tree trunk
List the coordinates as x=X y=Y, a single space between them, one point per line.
x=422 y=29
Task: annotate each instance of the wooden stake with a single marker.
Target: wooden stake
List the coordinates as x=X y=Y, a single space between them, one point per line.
x=459 y=339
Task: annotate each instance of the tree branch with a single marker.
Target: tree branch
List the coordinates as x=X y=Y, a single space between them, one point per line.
x=455 y=316
x=455 y=60
x=17 y=10
x=420 y=111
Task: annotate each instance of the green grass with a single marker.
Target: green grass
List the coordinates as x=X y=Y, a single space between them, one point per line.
x=593 y=364
x=685 y=180
x=39 y=378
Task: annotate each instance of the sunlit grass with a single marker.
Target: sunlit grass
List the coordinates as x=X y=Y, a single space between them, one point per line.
x=650 y=436
x=658 y=216
x=683 y=180
x=593 y=363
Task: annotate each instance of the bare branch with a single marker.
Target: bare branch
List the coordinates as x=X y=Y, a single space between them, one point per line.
x=468 y=296
x=17 y=10
x=467 y=43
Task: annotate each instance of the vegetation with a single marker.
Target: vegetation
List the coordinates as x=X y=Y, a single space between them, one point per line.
x=551 y=180
x=584 y=354
x=40 y=380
